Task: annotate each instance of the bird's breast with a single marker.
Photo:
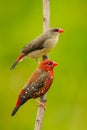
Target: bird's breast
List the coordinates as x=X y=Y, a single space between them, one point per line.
x=50 y=42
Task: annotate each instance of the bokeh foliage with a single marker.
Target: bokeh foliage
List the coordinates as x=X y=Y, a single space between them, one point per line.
x=20 y=22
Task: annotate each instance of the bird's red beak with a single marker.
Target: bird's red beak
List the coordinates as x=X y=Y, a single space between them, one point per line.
x=60 y=30
x=55 y=64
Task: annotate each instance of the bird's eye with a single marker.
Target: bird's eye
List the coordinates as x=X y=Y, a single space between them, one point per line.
x=49 y=63
x=55 y=30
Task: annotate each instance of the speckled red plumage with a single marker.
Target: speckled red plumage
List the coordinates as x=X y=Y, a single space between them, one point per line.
x=38 y=84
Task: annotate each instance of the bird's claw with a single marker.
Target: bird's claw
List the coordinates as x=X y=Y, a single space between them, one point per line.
x=37 y=60
x=41 y=104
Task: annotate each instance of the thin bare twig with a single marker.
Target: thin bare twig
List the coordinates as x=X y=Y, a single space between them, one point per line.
x=46 y=25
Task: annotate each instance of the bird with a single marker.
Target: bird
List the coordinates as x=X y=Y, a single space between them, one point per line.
x=37 y=85
x=40 y=46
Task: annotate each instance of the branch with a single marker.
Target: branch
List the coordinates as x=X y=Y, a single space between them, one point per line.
x=46 y=25
x=46 y=15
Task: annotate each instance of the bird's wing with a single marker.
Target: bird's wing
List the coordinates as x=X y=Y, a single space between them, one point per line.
x=34 y=85
x=36 y=44
x=36 y=82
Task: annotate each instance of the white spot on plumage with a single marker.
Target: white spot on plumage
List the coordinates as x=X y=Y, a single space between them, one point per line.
x=23 y=96
x=40 y=84
x=27 y=88
x=32 y=87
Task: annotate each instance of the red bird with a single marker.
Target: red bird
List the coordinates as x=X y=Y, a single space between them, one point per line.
x=38 y=84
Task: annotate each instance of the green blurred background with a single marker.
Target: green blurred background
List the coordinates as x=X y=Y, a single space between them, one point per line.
x=20 y=22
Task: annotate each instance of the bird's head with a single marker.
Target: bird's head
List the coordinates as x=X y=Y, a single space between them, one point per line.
x=55 y=31
x=47 y=65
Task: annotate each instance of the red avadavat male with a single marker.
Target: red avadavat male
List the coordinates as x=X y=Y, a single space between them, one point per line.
x=38 y=84
x=40 y=46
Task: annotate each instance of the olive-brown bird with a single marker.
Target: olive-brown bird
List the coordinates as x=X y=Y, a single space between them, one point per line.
x=38 y=84
x=39 y=46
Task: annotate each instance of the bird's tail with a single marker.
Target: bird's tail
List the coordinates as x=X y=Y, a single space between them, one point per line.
x=14 y=64
x=15 y=110
x=17 y=61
